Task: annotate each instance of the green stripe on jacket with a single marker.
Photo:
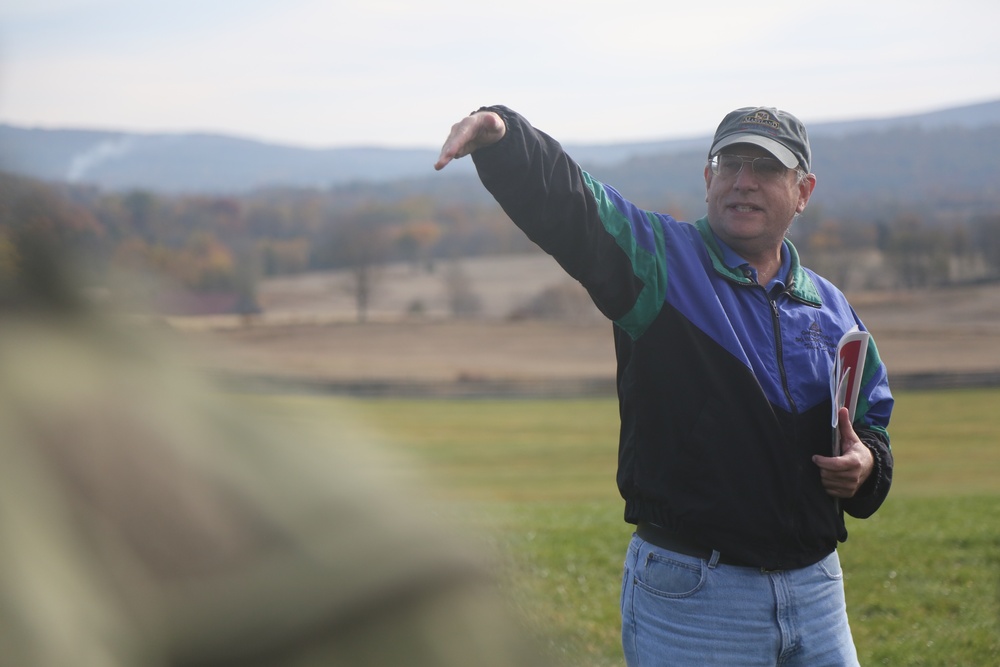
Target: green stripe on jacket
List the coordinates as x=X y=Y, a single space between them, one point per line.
x=648 y=267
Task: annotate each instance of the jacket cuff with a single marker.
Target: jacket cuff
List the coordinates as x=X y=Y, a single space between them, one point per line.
x=875 y=489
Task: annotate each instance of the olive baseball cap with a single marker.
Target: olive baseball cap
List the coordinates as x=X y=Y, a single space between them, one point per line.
x=778 y=132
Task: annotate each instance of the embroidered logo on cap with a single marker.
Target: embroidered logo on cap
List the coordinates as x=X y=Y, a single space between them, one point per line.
x=761 y=118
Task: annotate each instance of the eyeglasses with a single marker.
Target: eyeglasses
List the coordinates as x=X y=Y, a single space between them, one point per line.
x=764 y=168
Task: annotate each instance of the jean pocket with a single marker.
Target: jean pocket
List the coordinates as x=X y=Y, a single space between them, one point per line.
x=830 y=567
x=671 y=578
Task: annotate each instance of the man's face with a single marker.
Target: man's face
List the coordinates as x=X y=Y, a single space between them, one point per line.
x=751 y=211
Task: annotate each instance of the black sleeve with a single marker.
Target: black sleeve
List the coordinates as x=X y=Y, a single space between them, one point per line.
x=875 y=489
x=547 y=196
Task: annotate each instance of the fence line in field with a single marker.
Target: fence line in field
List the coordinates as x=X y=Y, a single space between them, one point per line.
x=528 y=388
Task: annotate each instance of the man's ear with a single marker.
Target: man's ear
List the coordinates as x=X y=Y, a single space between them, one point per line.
x=806 y=187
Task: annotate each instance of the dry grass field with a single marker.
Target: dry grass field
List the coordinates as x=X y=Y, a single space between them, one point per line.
x=309 y=328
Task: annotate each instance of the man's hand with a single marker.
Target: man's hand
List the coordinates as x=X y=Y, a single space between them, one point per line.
x=843 y=475
x=481 y=129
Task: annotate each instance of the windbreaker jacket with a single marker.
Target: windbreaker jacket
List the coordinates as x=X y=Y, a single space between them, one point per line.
x=723 y=388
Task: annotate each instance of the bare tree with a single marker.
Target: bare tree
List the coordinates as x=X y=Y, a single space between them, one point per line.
x=462 y=300
x=361 y=248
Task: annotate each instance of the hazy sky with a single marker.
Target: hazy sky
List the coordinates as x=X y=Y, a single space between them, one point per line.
x=398 y=74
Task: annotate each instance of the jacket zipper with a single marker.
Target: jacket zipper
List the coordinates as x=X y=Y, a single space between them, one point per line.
x=778 y=348
x=779 y=351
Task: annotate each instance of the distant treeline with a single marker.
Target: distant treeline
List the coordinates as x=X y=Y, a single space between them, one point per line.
x=922 y=217
x=225 y=244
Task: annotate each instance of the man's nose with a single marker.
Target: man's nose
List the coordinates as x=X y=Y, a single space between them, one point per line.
x=746 y=179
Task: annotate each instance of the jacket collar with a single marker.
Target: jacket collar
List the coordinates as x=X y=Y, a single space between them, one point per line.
x=799 y=284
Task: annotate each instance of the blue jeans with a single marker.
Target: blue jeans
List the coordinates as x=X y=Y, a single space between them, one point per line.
x=681 y=610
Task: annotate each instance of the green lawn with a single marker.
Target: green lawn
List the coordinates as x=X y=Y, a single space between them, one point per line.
x=537 y=478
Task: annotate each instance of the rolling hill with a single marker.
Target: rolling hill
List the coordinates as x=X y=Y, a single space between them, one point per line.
x=203 y=163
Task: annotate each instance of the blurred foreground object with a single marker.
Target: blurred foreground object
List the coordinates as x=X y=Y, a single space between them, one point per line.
x=147 y=520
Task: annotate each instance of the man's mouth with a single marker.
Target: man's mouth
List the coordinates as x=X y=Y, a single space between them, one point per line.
x=745 y=208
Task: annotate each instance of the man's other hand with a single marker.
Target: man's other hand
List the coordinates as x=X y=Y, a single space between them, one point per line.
x=843 y=475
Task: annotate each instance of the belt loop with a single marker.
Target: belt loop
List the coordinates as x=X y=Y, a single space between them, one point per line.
x=714 y=560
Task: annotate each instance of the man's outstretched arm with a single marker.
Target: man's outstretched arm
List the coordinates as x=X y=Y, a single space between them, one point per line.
x=557 y=205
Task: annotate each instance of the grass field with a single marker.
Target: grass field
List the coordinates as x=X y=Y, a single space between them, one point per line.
x=536 y=479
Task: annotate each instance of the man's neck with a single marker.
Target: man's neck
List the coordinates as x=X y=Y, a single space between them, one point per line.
x=767 y=263
x=766 y=268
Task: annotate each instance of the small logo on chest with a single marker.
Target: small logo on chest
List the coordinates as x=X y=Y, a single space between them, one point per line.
x=813 y=338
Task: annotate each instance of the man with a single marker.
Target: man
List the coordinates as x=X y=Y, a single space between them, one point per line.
x=725 y=345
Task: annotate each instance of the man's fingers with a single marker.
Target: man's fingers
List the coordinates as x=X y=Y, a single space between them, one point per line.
x=843 y=475
x=832 y=463
x=443 y=160
x=841 y=483
x=472 y=132
x=455 y=146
